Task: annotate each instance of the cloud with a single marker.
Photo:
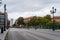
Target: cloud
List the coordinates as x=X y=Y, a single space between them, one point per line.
x=25 y=8
x=25 y=5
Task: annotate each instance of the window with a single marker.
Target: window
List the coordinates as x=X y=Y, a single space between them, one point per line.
x=2 y=19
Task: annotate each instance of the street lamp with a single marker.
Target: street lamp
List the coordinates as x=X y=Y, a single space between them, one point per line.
x=52 y=12
x=4 y=17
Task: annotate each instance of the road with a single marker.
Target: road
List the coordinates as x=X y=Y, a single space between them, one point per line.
x=32 y=34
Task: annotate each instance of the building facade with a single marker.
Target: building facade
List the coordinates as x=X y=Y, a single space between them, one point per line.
x=3 y=19
x=11 y=22
x=57 y=18
x=26 y=20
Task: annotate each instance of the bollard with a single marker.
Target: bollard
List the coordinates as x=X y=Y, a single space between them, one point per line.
x=1 y=29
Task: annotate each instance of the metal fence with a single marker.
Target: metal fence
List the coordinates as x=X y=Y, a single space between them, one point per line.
x=45 y=27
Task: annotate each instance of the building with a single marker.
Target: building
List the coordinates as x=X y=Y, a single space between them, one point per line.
x=57 y=18
x=26 y=20
x=11 y=22
x=3 y=19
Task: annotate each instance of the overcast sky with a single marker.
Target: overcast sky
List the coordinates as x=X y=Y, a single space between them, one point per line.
x=26 y=8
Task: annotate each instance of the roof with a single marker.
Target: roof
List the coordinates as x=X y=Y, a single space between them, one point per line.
x=29 y=17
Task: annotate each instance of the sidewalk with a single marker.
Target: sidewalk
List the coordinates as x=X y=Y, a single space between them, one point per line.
x=2 y=36
x=48 y=30
x=58 y=30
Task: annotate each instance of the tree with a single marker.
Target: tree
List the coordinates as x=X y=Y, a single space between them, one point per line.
x=48 y=17
x=20 y=21
x=33 y=21
x=39 y=21
x=13 y=25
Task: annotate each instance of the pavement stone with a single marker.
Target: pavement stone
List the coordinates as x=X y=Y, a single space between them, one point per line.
x=2 y=35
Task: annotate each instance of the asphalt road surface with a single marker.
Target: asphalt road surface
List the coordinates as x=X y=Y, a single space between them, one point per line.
x=32 y=34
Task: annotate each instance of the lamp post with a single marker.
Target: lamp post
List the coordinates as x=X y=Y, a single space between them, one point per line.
x=52 y=12
x=4 y=17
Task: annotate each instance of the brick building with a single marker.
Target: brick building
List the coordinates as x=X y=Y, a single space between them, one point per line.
x=26 y=20
x=57 y=18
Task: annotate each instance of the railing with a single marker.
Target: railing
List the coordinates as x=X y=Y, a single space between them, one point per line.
x=45 y=27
